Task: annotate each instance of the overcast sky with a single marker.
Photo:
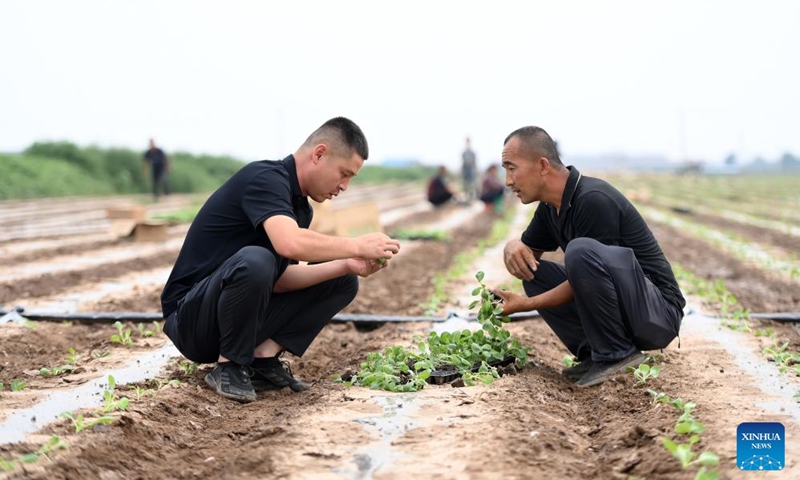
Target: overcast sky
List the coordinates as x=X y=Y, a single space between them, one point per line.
x=696 y=79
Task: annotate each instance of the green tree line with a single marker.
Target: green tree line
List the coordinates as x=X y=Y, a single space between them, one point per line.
x=55 y=169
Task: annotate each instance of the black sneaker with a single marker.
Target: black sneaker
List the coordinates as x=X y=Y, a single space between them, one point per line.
x=232 y=381
x=575 y=372
x=273 y=374
x=602 y=371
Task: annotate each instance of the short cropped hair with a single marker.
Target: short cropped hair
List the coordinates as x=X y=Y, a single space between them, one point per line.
x=342 y=135
x=535 y=142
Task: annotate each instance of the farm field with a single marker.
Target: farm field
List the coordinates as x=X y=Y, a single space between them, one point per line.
x=732 y=240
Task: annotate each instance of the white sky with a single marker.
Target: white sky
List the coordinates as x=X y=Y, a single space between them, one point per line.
x=253 y=79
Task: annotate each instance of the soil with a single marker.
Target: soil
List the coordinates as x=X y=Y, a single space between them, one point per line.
x=535 y=424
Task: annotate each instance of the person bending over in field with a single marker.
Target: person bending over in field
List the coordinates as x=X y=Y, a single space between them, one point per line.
x=615 y=294
x=237 y=294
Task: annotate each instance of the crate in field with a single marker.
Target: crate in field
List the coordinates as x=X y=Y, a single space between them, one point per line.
x=347 y=221
x=126 y=212
x=151 y=231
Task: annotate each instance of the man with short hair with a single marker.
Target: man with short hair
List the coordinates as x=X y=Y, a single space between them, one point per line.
x=237 y=294
x=616 y=294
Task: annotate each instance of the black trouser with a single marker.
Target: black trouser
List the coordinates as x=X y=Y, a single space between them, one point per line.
x=160 y=181
x=234 y=310
x=616 y=309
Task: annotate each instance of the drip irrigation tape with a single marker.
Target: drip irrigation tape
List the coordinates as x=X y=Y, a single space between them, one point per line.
x=110 y=317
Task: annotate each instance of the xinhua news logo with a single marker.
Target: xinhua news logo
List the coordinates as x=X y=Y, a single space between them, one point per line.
x=760 y=446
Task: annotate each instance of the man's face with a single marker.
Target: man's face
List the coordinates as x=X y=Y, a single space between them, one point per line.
x=332 y=174
x=523 y=174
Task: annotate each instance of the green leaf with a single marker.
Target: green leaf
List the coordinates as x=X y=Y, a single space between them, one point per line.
x=473 y=304
x=479 y=276
x=476 y=291
x=708 y=459
x=29 y=458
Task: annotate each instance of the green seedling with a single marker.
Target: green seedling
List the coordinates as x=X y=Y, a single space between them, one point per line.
x=2 y=385
x=17 y=385
x=570 y=361
x=74 y=357
x=156 y=328
x=654 y=359
x=111 y=400
x=144 y=331
x=658 y=397
x=764 y=332
x=123 y=335
x=56 y=371
x=51 y=445
x=683 y=452
x=704 y=474
x=164 y=383
x=644 y=373
x=141 y=392
x=6 y=466
x=742 y=326
x=189 y=368
x=82 y=424
x=382 y=261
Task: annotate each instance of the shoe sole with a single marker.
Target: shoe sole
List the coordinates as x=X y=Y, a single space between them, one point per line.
x=213 y=384
x=634 y=361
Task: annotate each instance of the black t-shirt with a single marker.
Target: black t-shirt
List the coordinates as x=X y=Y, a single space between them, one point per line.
x=592 y=208
x=155 y=157
x=232 y=218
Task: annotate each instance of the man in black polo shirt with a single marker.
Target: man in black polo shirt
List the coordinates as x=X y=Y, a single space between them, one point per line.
x=237 y=294
x=616 y=294
x=159 y=167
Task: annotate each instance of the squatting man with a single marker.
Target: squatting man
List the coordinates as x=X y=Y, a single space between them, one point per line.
x=238 y=295
x=615 y=295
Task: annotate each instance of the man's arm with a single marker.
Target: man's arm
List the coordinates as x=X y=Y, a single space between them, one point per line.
x=555 y=297
x=298 y=277
x=302 y=244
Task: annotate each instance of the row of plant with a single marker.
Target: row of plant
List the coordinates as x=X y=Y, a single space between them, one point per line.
x=472 y=356
x=788 y=266
x=463 y=261
x=736 y=191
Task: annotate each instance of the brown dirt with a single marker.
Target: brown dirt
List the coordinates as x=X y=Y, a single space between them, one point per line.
x=57 y=282
x=754 y=288
x=531 y=425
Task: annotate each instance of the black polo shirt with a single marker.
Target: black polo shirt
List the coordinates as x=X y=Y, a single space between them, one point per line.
x=156 y=158
x=592 y=208
x=232 y=218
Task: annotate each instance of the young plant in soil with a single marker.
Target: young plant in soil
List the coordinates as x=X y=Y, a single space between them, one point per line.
x=644 y=373
x=111 y=400
x=54 y=443
x=463 y=353
x=55 y=371
x=82 y=424
x=123 y=335
x=141 y=392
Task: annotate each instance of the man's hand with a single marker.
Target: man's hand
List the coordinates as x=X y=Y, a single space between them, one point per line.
x=363 y=267
x=377 y=245
x=512 y=303
x=519 y=260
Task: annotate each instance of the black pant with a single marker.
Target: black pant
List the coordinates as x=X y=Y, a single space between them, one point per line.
x=234 y=310
x=160 y=181
x=616 y=309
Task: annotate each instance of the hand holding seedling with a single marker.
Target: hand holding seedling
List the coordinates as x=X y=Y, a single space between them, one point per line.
x=376 y=245
x=364 y=268
x=511 y=302
x=520 y=260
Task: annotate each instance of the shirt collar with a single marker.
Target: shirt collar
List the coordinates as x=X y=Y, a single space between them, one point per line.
x=570 y=188
x=291 y=167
